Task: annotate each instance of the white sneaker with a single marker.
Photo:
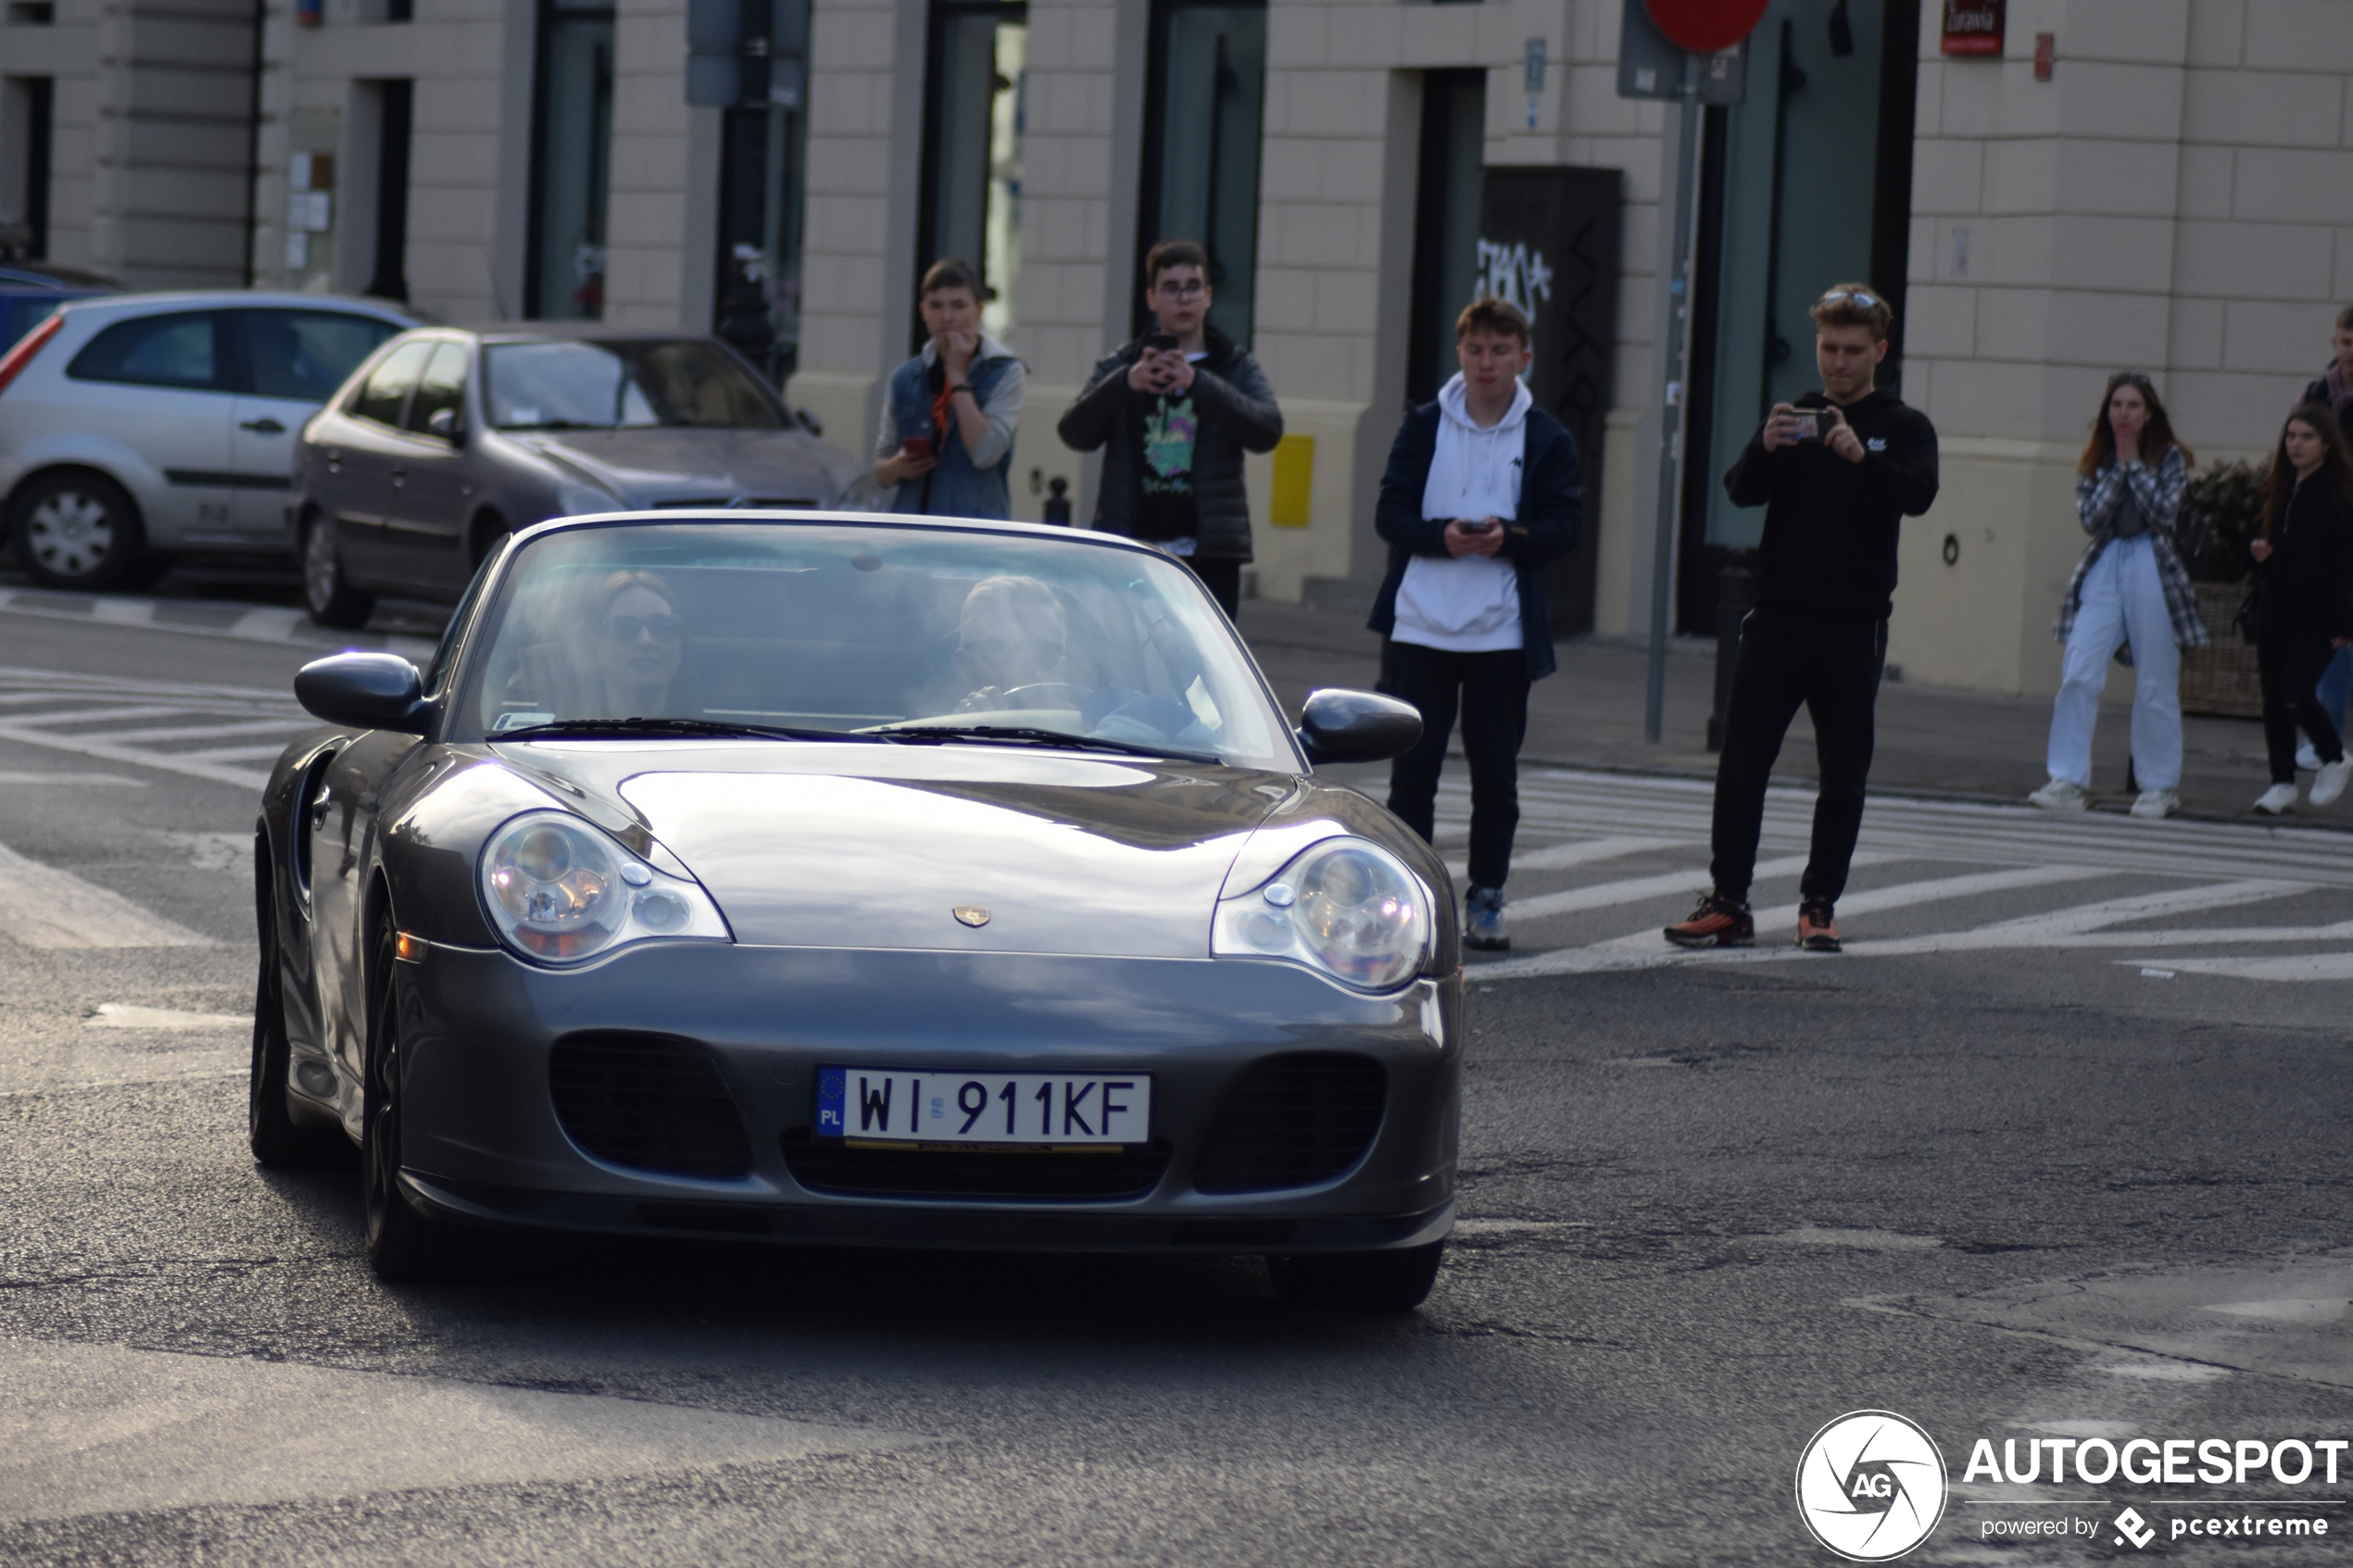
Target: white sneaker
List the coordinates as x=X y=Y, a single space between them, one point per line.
x=2330 y=782
x=2157 y=803
x=2307 y=760
x=2276 y=800
x=2060 y=795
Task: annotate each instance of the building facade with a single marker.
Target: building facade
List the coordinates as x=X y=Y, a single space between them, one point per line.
x=2158 y=191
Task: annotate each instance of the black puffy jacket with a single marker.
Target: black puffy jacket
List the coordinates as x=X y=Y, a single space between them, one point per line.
x=1236 y=411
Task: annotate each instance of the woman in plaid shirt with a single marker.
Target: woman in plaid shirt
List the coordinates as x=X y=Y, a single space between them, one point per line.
x=2129 y=592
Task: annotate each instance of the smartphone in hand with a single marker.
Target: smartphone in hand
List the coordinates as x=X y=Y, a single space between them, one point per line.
x=1476 y=525
x=1161 y=342
x=916 y=446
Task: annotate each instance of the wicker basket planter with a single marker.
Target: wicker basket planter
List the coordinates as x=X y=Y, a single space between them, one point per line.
x=2220 y=679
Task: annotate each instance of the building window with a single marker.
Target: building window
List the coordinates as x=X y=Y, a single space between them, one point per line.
x=1203 y=114
x=1446 y=275
x=764 y=142
x=572 y=163
x=26 y=122
x=972 y=148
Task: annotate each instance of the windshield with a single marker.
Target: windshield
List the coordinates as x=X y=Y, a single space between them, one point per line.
x=572 y=384
x=848 y=629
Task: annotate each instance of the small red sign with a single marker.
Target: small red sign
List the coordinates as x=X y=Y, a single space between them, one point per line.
x=1973 y=27
x=2045 y=51
x=1705 y=27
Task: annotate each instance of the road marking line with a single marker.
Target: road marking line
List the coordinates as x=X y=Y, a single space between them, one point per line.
x=2295 y=966
x=202 y=732
x=1907 y=895
x=94 y=716
x=120 y=1015
x=245 y=778
x=235 y=753
x=123 y=613
x=2036 y=931
x=43 y=907
x=105 y=1429
x=1633 y=890
x=278 y=626
x=22 y=778
x=1584 y=851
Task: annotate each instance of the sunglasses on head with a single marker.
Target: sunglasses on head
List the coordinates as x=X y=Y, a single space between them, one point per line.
x=2133 y=378
x=1839 y=296
x=628 y=628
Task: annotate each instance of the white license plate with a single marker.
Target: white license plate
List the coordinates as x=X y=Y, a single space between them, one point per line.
x=862 y=1105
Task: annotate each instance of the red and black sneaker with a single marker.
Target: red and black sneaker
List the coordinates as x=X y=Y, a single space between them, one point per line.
x=1717 y=923
x=1817 y=930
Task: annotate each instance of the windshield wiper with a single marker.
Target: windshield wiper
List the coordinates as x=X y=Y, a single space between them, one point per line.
x=562 y=729
x=1024 y=735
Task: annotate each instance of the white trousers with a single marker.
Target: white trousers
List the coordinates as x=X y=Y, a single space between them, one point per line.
x=2123 y=601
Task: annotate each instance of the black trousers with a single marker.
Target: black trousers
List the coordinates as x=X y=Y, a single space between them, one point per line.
x=2289 y=661
x=1830 y=668
x=1491 y=692
x=1224 y=580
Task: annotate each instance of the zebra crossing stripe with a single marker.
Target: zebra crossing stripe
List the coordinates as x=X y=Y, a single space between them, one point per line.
x=1579 y=852
x=1635 y=890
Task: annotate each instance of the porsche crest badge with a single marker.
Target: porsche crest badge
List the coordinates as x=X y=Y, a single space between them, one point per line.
x=971 y=915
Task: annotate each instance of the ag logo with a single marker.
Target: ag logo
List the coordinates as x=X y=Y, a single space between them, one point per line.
x=1870 y=1486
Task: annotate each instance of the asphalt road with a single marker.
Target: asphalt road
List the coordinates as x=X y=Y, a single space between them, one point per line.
x=2055 y=1151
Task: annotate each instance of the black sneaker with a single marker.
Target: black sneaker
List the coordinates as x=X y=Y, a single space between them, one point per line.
x=1816 y=930
x=1483 y=921
x=1717 y=923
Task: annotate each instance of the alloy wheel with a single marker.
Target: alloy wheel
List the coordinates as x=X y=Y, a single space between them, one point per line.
x=321 y=574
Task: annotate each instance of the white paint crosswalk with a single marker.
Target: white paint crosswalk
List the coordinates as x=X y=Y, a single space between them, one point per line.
x=1972 y=869
x=174 y=726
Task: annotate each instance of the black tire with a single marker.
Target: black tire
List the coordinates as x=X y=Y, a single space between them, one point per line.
x=1357 y=1282
x=488 y=533
x=333 y=600
x=79 y=530
x=402 y=1245
x=277 y=1138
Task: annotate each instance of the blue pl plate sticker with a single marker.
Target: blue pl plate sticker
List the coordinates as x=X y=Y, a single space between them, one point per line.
x=829 y=1093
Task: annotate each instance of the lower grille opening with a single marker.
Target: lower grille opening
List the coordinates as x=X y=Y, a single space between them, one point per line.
x=1293 y=1121
x=1065 y=1176
x=649 y=1101
x=732 y=1218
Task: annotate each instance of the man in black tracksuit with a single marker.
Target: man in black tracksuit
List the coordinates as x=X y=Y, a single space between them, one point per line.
x=1836 y=472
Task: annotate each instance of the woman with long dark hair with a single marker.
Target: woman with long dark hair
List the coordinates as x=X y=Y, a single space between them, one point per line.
x=2304 y=598
x=2129 y=589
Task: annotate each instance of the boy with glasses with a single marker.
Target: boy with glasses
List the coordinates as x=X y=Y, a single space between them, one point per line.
x=1836 y=472
x=1173 y=412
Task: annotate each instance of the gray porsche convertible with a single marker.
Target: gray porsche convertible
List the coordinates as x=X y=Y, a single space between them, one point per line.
x=856 y=880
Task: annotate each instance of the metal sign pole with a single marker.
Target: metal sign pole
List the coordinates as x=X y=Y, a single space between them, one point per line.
x=1671 y=376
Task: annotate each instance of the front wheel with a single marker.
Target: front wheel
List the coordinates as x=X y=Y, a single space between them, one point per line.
x=78 y=530
x=402 y=1245
x=1357 y=1282
x=333 y=600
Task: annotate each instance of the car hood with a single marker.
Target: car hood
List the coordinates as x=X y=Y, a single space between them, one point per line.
x=830 y=846
x=672 y=466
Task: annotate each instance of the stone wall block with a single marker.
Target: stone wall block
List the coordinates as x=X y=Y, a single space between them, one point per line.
x=2203 y=186
x=2299 y=35
x=2282 y=186
x=2217 y=32
x=1948 y=176
x=2264 y=108
x=2195 y=336
x=1938 y=320
x=2271 y=261
x=2267 y=337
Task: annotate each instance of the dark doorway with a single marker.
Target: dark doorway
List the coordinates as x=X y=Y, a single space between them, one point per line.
x=396 y=106
x=1548 y=242
x=1446 y=211
x=1203 y=107
x=1787 y=209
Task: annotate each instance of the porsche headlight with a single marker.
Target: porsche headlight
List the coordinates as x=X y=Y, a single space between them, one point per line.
x=560 y=891
x=1344 y=905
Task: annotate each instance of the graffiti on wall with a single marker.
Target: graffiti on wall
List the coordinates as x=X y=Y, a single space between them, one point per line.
x=1516 y=274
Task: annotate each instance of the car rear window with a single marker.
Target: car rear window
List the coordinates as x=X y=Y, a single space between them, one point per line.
x=181 y=349
x=307 y=353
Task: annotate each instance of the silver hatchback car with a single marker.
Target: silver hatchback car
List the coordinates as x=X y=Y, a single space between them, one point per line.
x=450 y=439
x=138 y=427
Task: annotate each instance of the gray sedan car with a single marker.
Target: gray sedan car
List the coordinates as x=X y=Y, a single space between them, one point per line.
x=447 y=440
x=859 y=879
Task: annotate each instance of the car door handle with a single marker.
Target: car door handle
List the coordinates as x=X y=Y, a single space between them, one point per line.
x=263 y=427
x=399 y=477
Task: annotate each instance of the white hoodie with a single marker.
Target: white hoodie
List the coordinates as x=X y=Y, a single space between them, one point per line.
x=1468 y=604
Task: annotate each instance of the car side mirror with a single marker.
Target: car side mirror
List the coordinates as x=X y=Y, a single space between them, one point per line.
x=444 y=423
x=809 y=421
x=364 y=691
x=1345 y=727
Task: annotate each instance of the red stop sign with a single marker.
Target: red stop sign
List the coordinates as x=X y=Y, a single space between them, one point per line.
x=1705 y=27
